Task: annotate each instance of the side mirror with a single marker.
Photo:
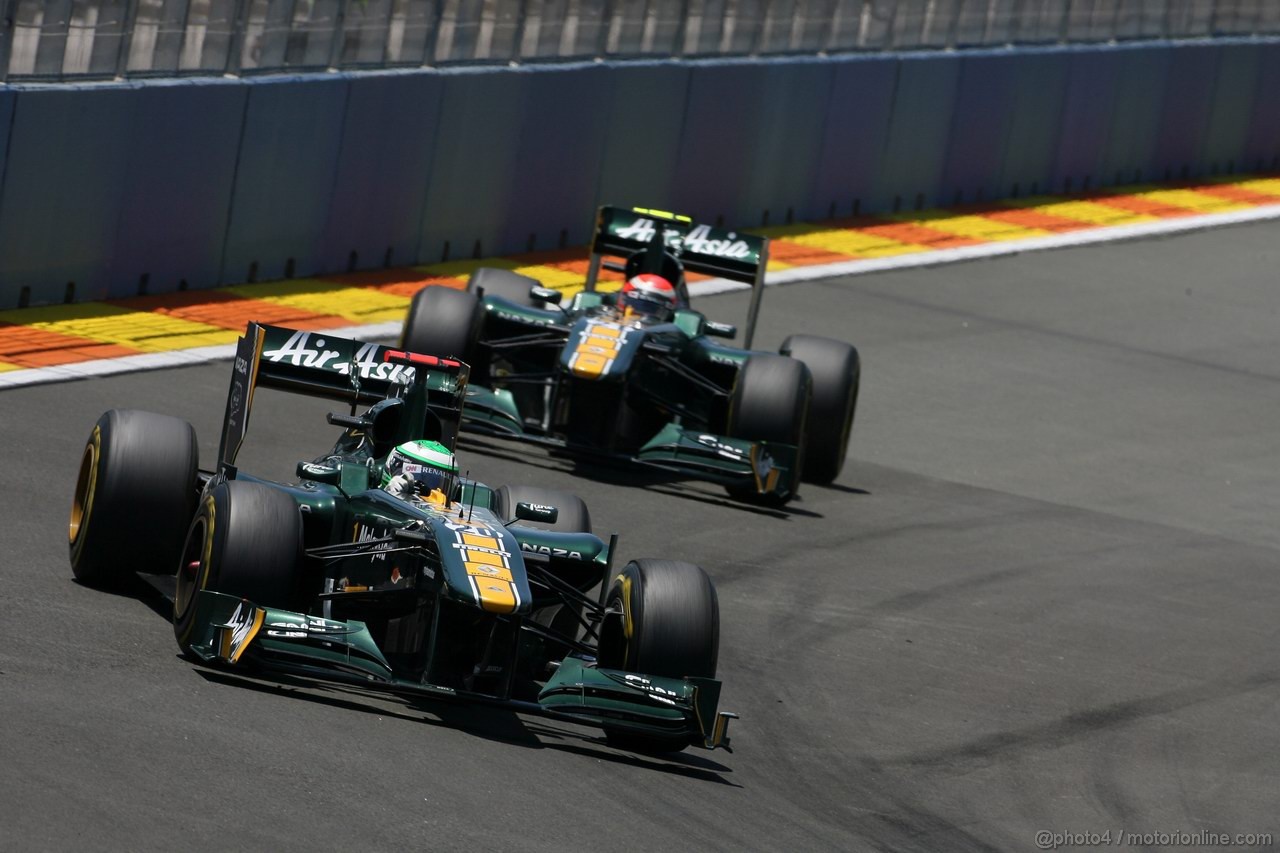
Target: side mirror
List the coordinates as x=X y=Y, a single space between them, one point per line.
x=536 y=512
x=720 y=330
x=320 y=472
x=546 y=294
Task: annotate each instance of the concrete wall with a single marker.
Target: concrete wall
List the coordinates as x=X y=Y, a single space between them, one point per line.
x=110 y=189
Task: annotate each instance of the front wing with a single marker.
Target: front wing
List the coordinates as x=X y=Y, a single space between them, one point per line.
x=768 y=468
x=232 y=631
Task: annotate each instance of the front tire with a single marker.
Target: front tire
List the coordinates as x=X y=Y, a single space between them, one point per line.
x=669 y=627
x=836 y=370
x=770 y=403
x=245 y=540
x=134 y=496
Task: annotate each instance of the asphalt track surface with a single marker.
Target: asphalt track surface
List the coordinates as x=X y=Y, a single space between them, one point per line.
x=1042 y=596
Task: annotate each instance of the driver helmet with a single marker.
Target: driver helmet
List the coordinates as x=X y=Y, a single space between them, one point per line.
x=426 y=465
x=648 y=296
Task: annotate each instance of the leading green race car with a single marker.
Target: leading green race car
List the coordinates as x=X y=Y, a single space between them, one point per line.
x=381 y=568
x=629 y=376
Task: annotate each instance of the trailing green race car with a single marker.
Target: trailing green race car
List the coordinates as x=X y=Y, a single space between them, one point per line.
x=380 y=567
x=637 y=375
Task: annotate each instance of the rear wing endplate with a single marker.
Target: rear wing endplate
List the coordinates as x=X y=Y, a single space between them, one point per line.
x=334 y=368
x=719 y=252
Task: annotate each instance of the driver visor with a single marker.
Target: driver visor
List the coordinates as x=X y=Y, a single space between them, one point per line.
x=427 y=477
x=646 y=306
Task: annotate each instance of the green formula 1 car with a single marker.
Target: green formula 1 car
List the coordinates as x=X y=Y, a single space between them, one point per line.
x=380 y=567
x=640 y=375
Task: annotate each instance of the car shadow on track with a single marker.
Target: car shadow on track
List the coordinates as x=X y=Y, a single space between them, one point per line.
x=620 y=473
x=489 y=723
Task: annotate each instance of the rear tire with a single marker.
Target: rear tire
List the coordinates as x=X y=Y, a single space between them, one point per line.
x=443 y=322
x=245 y=540
x=134 y=497
x=511 y=286
x=836 y=370
x=673 y=615
x=770 y=402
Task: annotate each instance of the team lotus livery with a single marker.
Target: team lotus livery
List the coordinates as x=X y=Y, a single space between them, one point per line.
x=380 y=567
x=639 y=375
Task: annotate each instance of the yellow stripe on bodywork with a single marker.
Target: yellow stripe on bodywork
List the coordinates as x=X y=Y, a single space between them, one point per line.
x=488 y=567
x=597 y=347
x=496 y=596
x=475 y=558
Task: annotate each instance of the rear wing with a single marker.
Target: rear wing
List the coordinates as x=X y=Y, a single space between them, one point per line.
x=622 y=231
x=343 y=370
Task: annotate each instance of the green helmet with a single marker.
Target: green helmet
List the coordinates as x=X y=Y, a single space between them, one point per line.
x=428 y=463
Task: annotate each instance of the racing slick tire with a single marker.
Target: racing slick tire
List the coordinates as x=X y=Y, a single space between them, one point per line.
x=511 y=286
x=245 y=540
x=573 y=518
x=443 y=322
x=134 y=497
x=674 y=619
x=770 y=402
x=836 y=370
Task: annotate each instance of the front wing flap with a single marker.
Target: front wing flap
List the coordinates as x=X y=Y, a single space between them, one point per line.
x=229 y=629
x=768 y=467
x=678 y=708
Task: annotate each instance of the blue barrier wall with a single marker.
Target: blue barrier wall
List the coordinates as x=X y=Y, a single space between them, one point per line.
x=915 y=151
x=65 y=175
x=980 y=125
x=1030 y=146
x=176 y=197
x=643 y=121
x=556 y=149
x=1135 y=121
x=284 y=180
x=383 y=170
x=1264 y=129
x=118 y=188
x=1188 y=102
x=854 y=136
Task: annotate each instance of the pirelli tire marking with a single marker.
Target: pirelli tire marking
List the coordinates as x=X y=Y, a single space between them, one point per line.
x=598 y=346
x=86 y=488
